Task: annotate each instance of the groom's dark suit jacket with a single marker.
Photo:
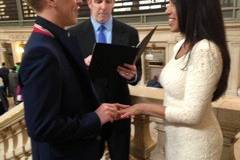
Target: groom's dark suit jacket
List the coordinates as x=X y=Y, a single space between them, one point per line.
x=59 y=100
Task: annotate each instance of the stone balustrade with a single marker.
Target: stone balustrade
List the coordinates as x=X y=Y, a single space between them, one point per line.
x=14 y=141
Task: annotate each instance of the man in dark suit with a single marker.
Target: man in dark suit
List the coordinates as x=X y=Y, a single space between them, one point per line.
x=4 y=71
x=113 y=88
x=63 y=115
x=13 y=82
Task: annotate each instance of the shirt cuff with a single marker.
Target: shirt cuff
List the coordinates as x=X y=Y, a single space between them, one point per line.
x=133 y=80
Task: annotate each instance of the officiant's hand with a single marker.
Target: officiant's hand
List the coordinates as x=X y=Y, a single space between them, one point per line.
x=87 y=60
x=127 y=71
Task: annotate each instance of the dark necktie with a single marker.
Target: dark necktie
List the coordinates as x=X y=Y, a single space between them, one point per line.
x=101 y=35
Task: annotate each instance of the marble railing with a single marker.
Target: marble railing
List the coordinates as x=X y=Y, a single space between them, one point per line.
x=15 y=143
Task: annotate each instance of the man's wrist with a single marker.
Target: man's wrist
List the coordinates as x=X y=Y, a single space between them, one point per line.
x=133 y=80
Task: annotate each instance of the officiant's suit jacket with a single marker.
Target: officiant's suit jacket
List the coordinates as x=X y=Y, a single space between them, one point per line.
x=113 y=88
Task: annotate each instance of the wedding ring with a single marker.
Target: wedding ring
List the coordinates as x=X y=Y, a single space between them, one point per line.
x=125 y=74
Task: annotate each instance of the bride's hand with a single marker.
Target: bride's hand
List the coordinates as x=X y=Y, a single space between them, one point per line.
x=130 y=111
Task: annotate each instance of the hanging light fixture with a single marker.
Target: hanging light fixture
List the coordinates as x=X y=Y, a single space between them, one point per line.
x=20 y=48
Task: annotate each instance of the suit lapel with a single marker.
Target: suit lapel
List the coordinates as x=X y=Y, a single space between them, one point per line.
x=69 y=43
x=87 y=35
x=71 y=49
x=66 y=41
x=118 y=35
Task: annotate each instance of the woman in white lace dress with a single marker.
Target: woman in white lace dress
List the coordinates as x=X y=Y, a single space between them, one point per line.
x=195 y=76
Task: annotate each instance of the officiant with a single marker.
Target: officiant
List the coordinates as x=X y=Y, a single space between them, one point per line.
x=101 y=27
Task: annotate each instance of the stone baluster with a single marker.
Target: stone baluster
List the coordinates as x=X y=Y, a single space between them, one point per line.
x=237 y=146
x=228 y=143
x=230 y=124
x=27 y=143
x=142 y=143
x=9 y=143
x=14 y=141
x=159 y=151
x=21 y=150
x=2 y=145
x=17 y=137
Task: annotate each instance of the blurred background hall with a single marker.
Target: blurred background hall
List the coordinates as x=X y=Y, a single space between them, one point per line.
x=147 y=143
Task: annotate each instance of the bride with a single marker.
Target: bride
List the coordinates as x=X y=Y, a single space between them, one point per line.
x=193 y=78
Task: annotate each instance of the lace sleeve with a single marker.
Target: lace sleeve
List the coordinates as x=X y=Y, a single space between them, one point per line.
x=202 y=76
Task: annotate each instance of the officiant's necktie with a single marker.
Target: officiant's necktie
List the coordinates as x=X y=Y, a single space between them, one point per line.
x=101 y=35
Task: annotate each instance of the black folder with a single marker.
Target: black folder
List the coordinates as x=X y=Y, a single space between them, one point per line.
x=106 y=57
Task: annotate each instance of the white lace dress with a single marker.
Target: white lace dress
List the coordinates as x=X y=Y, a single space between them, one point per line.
x=192 y=130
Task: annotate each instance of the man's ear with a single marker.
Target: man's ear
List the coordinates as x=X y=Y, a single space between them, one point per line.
x=89 y=3
x=51 y=3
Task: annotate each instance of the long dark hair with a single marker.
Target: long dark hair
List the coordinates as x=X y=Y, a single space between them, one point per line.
x=202 y=19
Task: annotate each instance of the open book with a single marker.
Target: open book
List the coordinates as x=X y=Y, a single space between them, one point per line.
x=106 y=57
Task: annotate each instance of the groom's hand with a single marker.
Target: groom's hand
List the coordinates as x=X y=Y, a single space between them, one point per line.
x=107 y=113
x=120 y=107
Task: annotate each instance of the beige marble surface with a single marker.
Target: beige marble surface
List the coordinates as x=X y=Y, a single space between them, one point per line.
x=225 y=102
x=146 y=92
x=228 y=102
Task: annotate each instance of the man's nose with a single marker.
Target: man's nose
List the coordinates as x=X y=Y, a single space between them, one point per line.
x=79 y=2
x=103 y=5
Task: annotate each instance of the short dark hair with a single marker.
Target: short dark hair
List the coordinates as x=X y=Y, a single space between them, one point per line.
x=202 y=19
x=36 y=4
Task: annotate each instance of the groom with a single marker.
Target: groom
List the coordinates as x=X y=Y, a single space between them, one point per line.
x=62 y=113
